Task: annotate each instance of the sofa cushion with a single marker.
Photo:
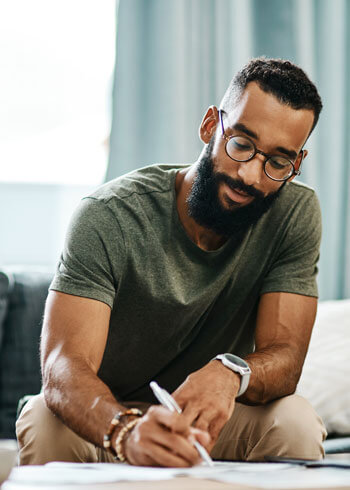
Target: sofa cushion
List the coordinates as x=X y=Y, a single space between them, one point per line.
x=325 y=377
x=19 y=354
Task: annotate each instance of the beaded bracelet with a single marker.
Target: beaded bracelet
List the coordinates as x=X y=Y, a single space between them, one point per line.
x=119 y=442
x=115 y=421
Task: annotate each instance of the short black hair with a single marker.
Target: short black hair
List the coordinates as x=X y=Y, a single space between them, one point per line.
x=281 y=78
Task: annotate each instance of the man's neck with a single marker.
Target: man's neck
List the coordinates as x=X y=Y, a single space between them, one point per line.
x=202 y=237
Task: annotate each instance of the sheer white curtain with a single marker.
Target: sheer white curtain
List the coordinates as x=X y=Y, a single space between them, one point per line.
x=174 y=59
x=57 y=60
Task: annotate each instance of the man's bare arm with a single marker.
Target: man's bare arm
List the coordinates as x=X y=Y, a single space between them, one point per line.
x=72 y=345
x=73 y=342
x=284 y=326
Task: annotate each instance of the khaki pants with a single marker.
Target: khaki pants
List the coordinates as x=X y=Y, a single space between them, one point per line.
x=286 y=427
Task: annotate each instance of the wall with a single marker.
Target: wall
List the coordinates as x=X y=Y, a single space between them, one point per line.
x=33 y=221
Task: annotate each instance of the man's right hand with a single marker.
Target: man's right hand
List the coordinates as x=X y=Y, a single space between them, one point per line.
x=163 y=438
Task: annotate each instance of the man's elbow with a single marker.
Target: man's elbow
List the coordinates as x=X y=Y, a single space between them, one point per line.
x=55 y=370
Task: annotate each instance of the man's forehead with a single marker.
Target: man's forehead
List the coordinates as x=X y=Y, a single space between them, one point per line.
x=265 y=115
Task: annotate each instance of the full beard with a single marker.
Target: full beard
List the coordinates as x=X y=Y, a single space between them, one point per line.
x=205 y=208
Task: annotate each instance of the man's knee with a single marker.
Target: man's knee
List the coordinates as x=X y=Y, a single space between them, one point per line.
x=42 y=437
x=290 y=428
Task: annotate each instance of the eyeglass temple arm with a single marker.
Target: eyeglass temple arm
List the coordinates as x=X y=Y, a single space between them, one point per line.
x=298 y=172
x=221 y=122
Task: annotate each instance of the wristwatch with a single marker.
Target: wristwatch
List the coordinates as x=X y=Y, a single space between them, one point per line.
x=237 y=365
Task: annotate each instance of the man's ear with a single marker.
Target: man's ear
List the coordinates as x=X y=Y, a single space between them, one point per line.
x=208 y=124
x=301 y=157
x=297 y=165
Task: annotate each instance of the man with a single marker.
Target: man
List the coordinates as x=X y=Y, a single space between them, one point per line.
x=169 y=266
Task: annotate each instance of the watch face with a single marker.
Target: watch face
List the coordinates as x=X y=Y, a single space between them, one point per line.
x=237 y=360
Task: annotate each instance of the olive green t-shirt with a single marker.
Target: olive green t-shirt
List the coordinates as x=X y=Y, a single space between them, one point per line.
x=174 y=305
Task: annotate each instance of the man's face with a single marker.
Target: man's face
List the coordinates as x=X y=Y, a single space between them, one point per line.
x=228 y=196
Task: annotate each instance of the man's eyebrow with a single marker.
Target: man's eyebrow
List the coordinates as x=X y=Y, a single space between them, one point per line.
x=243 y=128
x=290 y=153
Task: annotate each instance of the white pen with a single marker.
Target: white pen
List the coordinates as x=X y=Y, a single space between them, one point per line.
x=170 y=403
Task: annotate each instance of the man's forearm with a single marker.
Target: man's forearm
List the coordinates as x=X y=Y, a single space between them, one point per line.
x=275 y=373
x=79 y=398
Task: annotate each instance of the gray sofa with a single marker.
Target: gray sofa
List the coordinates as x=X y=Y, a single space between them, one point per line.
x=22 y=296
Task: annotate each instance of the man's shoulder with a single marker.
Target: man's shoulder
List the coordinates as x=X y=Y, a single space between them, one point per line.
x=296 y=207
x=300 y=187
x=297 y=188
x=152 y=178
x=295 y=195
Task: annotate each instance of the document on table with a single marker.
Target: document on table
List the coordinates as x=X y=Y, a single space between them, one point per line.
x=292 y=478
x=261 y=475
x=64 y=473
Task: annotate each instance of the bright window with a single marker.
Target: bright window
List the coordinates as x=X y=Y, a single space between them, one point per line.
x=57 y=59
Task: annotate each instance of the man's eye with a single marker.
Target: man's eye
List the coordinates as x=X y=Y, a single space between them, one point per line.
x=241 y=146
x=278 y=163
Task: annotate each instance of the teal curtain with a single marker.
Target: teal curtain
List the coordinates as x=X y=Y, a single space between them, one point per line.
x=176 y=57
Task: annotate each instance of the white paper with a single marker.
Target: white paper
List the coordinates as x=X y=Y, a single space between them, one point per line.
x=261 y=475
x=70 y=473
x=296 y=477
x=84 y=473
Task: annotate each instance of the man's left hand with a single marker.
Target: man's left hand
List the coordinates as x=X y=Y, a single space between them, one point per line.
x=207 y=398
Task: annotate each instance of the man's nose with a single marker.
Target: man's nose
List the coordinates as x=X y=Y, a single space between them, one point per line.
x=252 y=172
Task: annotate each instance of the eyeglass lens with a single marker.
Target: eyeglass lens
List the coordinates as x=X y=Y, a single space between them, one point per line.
x=242 y=150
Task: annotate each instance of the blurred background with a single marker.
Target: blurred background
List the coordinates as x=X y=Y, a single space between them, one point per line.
x=90 y=90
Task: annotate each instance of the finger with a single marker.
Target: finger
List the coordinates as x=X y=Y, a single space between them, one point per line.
x=217 y=423
x=149 y=436
x=141 y=459
x=216 y=427
x=203 y=420
x=190 y=413
x=176 y=443
x=162 y=456
x=202 y=437
x=212 y=421
x=171 y=420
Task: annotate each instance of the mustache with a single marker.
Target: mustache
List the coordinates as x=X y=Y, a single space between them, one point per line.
x=239 y=185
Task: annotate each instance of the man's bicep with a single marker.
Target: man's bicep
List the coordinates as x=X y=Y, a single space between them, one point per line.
x=74 y=327
x=285 y=319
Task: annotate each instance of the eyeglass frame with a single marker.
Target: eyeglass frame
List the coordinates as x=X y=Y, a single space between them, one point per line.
x=257 y=151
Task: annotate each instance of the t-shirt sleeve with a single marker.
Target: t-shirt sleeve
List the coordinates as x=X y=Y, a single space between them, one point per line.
x=86 y=267
x=294 y=269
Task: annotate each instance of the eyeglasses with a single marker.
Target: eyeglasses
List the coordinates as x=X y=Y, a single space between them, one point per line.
x=242 y=149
